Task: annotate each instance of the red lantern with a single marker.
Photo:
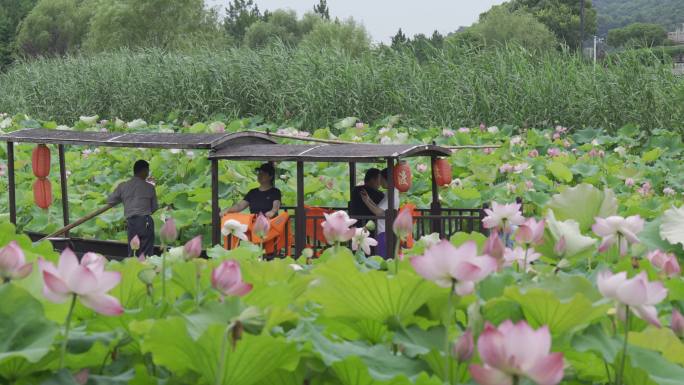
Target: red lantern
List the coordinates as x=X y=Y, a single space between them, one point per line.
x=441 y=169
x=402 y=177
x=42 y=193
x=40 y=161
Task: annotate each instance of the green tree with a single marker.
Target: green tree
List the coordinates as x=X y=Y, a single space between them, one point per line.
x=53 y=27
x=399 y=39
x=281 y=25
x=12 y=12
x=347 y=36
x=240 y=15
x=322 y=9
x=502 y=26
x=562 y=17
x=149 y=23
x=638 y=35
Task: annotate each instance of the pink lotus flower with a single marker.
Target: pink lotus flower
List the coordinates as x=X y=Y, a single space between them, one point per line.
x=669 y=191
x=666 y=262
x=448 y=133
x=168 y=233
x=487 y=150
x=193 y=248
x=645 y=188
x=616 y=228
x=234 y=228
x=629 y=182
x=494 y=246
x=529 y=185
x=516 y=350
x=553 y=152
x=566 y=143
x=531 y=232
x=521 y=257
x=261 y=226
x=445 y=265
x=677 y=323
x=13 y=263
x=533 y=153
x=217 y=127
x=464 y=130
x=483 y=127
x=227 y=279
x=638 y=293
x=336 y=227
x=135 y=243
x=556 y=136
x=88 y=280
x=464 y=347
x=403 y=224
x=363 y=241
x=503 y=216
x=505 y=168
x=421 y=167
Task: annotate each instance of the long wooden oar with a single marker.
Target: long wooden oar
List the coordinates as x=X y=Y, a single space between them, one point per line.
x=78 y=222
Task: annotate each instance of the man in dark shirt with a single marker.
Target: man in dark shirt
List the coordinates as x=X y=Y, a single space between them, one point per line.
x=264 y=199
x=140 y=202
x=371 y=184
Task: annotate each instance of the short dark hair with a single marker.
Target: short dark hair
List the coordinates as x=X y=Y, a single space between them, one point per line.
x=371 y=173
x=140 y=166
x=268 y=169
x=384 y=173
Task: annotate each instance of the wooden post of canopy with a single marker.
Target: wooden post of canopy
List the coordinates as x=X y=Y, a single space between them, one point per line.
x=435 y=206
x=352 y=181
x=11 y=183
x=300 y=214
x=215 y=209
x=390 y=214
x=63 y=183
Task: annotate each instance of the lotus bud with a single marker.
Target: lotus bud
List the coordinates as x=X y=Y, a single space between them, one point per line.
x=193 y=248
x=168 y=232
x=370 y=226
x=13 y=263
x=403 y=224
x=135 y=243
x=261 y=226
x=147 y=276
x=677 y=323
x=464 y=347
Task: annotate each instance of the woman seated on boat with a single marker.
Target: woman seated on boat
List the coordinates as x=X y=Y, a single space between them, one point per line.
x=264 y=199
x=379 y=210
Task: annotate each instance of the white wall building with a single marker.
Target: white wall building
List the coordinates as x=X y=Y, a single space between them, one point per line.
x=677 y=36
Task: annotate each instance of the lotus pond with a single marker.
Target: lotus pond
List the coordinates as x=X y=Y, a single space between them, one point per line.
x=583 y=287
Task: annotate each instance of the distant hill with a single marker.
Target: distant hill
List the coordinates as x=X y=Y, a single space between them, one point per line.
x=619 y=13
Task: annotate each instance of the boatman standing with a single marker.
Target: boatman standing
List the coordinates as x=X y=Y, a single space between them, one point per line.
x=140 y=201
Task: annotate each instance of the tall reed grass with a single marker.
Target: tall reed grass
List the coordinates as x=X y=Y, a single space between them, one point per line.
x=313 y=87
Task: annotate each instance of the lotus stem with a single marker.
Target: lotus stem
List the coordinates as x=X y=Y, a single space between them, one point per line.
x=621 y=370
x=163 y=276
x=447 y=351
x=222 y=356
x=67 y=326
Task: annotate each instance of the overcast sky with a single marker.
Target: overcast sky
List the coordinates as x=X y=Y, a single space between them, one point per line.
x=382 y=18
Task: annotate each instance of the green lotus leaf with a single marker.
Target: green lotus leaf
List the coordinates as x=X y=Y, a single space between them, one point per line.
x=560 y=171
x=582 y=204
x=25 y=333
x=672 y=226
x=644 y=366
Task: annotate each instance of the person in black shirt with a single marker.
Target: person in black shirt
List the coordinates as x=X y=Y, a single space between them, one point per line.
x=371 y=185
x=264 y=199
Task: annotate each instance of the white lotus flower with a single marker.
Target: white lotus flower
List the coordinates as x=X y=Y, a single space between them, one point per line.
x=137 y=123
x=90 y=120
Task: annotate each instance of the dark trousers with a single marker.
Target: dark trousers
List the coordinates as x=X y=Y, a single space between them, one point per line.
x=143 y=227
